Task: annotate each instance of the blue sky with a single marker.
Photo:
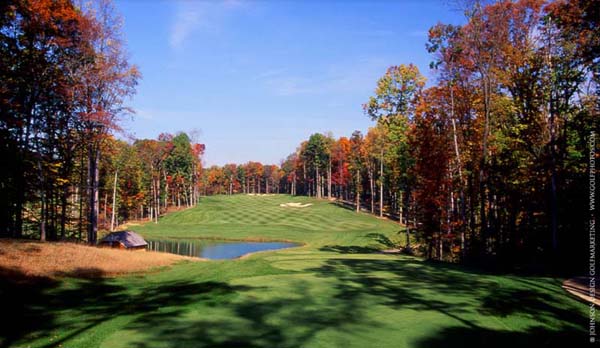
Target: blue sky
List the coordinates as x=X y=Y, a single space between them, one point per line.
x=254 y=79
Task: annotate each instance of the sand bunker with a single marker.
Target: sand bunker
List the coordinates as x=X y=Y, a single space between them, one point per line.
x=295 y=205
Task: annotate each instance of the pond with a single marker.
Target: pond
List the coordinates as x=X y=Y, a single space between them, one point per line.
x=213 y=249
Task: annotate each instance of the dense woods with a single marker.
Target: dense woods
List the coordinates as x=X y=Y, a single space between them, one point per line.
x=488 y=162
x=65 y=82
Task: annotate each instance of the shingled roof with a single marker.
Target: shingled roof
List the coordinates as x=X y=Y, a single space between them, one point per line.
x=129 y=239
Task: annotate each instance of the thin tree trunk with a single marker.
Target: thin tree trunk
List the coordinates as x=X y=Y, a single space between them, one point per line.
x=166 y=189
x=357 y=191
x=114 y=202
x=372 y=188
x=157 y=192
x=553 y=195
x=441 y=247
x=94 y=156
x=80 y=199
x=63 y=212
x=483 y=164
x=381 y=185
x=400 y=206
x=460 y=174
x=43 y=214
x=43 y=205
x=407 y=227
x=329 y=179
x=105 y=215
x=318 y=181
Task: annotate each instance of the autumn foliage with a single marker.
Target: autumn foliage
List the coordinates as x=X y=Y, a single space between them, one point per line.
x=487 y=162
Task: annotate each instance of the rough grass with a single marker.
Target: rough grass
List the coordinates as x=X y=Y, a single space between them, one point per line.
x=36 y=259
x=334 y=291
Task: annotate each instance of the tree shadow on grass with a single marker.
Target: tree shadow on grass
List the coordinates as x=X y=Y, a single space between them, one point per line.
x=358 y=285
x=471 y=300
x=507 y=302
x=33 y=304
x=188 y=313
x=282 y=323
x=536 y=336
x=176 y=313
x=380 y=241
x=349 y=249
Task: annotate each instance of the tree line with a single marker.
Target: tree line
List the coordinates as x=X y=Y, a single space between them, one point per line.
x=486 y=163
x=249 y=178
x=489 y=162
x=64 y=83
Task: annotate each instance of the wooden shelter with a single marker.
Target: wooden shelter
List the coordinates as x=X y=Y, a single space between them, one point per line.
x=124 y=240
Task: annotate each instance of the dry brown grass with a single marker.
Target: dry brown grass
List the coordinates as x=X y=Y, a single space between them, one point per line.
x=36 y=259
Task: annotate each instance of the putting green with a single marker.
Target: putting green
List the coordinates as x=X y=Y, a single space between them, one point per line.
x=331 y=292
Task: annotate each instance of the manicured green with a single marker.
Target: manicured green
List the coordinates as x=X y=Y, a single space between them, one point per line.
x=334 y=291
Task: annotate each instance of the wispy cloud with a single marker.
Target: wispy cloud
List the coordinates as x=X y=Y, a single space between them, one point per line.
x=193 y=16
x=188 y=17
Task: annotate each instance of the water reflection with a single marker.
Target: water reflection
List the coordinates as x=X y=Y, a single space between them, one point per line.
x=215 y=250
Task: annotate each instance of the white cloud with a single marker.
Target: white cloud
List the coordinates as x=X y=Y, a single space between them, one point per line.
x=193 y=16
x=188 y=18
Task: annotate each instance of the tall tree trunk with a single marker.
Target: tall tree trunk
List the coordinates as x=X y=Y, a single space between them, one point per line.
x=114 y=202
x=43 y=205
x=43 y=214
x=157 y=191
x=20 y=199
x=294 y=184
x=322 y=180
x=372 y=189
x=407 y=226
x=318 y=182
x=63 y=210
x=105 y=210
x=381 y=184
x=483 y=165
x=166 y=189
x=440 y=247
x=329 y=179
x=400 y=207
x=80 y=200
x=553 y=195
x=460 y=174
x=94 y=156
x=357 y=191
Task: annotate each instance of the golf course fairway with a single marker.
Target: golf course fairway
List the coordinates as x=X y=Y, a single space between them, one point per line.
x=334 y=290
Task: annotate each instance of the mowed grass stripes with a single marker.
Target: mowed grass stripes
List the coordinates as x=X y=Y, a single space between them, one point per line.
x=262 y=217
